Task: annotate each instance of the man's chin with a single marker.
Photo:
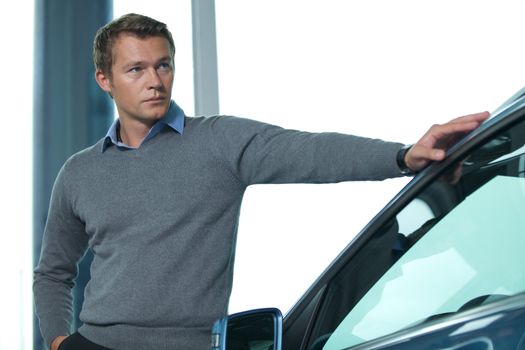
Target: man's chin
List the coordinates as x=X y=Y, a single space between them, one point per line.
x=157 y=112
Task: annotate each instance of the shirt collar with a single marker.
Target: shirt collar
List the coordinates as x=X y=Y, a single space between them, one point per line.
x=174 y=118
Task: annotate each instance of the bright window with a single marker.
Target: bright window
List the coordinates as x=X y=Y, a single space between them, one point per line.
x=16 y=317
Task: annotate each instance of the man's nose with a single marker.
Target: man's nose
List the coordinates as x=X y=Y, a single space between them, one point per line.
x=154 y=81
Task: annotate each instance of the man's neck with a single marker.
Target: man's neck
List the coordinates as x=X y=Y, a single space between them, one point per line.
x=132 y=133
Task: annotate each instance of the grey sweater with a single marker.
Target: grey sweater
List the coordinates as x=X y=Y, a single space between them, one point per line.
x=162 y=220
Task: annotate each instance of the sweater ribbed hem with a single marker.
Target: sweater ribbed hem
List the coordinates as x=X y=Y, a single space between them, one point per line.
x=126 y=337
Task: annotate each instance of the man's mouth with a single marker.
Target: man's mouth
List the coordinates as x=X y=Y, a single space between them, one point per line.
x=155 y=99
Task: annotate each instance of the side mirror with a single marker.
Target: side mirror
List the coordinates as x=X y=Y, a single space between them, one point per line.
x=259 y=329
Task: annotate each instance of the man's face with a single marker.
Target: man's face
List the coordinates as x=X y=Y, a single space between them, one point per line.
x=142 y=78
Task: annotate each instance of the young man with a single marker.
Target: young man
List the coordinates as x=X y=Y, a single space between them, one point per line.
x=157 y=200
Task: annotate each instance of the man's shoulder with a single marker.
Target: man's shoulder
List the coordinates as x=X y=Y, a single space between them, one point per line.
x=79 y=165
x=216 y=123
x=86 y=156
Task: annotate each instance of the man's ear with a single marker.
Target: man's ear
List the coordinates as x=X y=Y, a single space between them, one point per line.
x=103 y=80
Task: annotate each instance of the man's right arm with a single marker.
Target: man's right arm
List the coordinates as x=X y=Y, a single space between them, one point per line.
x=63 y=244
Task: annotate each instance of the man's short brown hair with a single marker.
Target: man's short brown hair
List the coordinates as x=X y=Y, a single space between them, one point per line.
x=139 y=25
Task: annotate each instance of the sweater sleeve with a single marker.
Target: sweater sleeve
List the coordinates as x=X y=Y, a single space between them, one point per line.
x=261 y=153
x=63 y=245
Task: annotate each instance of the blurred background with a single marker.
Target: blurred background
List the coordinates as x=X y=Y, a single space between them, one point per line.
x=378 y=68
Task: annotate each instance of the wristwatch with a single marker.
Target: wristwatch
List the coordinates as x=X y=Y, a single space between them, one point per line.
x=400 y=160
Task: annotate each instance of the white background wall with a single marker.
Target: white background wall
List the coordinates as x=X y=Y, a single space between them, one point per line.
x=378 y=68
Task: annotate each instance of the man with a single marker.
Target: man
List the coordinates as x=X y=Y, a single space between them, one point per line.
x=157 y=200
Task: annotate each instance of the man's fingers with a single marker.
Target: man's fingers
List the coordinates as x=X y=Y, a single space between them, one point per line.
x=449 y=132
x=55 y=344
x=438 y=131
x=478 y=117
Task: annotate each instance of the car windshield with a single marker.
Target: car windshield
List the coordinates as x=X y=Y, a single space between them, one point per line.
x=457 y=245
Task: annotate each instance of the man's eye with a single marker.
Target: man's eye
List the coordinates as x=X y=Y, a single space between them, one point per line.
x=165 y=66
x=134 y=70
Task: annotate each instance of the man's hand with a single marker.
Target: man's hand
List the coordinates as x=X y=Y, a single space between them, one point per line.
x=439 y=138
x=57 y=341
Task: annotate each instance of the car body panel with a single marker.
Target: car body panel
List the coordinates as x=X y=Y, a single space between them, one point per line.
x=500 y=325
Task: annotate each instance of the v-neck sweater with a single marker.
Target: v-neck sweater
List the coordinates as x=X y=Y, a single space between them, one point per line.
x=161 y=221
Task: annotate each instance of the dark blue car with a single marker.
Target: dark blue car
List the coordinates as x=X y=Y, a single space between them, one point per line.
x=442 y=266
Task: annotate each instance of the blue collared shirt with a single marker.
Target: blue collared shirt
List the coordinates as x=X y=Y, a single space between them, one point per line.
x=174 y=118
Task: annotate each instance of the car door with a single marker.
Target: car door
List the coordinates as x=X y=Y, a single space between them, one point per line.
x=451 y=242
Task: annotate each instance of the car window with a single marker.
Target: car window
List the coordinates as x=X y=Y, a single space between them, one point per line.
x=453 y=263
x=455 y=246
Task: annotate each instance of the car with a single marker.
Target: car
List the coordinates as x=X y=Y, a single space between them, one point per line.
x=442 y=266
